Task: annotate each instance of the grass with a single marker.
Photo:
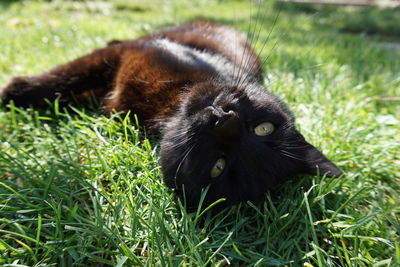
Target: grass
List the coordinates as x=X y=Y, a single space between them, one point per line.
x=78 y=188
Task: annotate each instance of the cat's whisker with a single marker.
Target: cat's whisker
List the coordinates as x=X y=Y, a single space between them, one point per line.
x=257 y=69
x=263 y=62
x=285 y=126
x=248 y=52
x=240 y=67
x=291 y=145
x=290 y=155
x=186 y=154
x=235 y=55
x=182 y=137
x=250 y=66
x=282 y=36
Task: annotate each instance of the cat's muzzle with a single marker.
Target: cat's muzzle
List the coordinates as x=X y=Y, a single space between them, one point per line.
x=228 y=125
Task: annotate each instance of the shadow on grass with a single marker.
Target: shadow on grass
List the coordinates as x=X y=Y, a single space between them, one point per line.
x=5 y=4
x=329 y=30
x=369 y=20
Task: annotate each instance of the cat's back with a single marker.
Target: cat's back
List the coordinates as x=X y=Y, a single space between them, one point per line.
x=214 y=38
x=203 y=45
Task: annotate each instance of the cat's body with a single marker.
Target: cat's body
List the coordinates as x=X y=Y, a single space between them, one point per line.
x=145 y=75
x=197 y=85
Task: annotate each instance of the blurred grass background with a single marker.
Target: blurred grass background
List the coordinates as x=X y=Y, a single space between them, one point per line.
x=80 y=188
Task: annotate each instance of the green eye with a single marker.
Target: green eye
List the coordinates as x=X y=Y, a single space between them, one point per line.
x=264 y=129
x=218 y=168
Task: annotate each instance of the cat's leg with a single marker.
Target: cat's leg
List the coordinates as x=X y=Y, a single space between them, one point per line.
x=91 y=72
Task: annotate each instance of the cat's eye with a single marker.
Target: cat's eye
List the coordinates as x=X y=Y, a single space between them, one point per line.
x=264 y=129
x=218 y=168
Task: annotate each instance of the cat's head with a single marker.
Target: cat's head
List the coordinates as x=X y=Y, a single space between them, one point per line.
x=238 y=142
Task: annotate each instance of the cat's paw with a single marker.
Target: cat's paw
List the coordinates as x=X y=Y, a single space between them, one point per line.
x=16 y=90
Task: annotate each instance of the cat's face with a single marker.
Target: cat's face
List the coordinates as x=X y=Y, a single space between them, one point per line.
x=239 y=142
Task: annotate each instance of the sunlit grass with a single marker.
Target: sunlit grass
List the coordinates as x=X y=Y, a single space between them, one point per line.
x=81 y=188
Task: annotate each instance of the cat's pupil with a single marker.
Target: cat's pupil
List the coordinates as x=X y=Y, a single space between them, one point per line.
x=218 y=167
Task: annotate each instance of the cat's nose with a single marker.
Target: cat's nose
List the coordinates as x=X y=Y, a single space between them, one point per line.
x=223 y=116
x=227 y=124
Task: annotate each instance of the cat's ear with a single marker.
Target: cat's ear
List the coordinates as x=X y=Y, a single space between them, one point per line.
x=316 y=163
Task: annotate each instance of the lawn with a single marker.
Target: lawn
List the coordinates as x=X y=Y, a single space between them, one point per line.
x=82 y=188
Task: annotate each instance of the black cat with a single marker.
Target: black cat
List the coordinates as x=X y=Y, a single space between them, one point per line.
x=196 y=85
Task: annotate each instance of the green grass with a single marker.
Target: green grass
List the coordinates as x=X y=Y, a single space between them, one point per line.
x=78 y=188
